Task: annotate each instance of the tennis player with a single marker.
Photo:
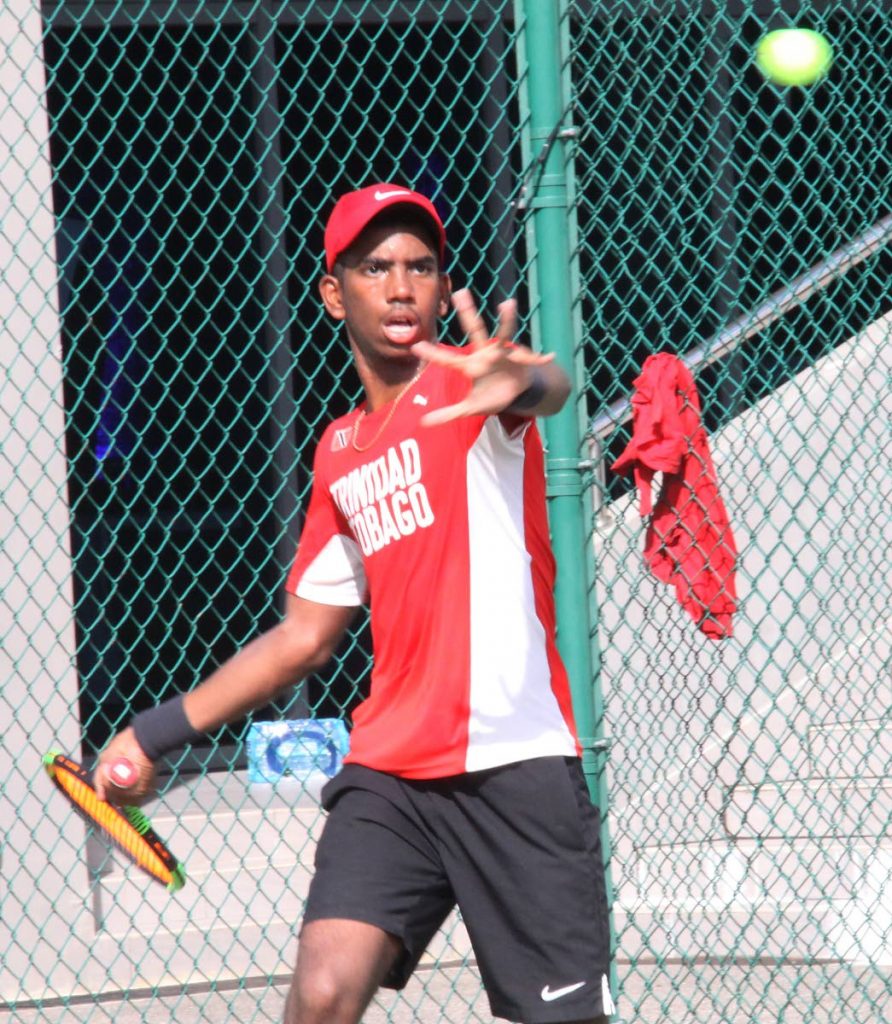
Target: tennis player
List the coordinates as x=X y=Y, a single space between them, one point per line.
x=463 y=784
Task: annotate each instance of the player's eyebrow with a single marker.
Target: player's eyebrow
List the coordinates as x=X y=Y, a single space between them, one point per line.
x=426 y=262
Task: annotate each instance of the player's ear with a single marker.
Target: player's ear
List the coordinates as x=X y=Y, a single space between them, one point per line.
x=330 y=290
x=445 y=294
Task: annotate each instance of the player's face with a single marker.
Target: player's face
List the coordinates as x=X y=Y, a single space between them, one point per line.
x=390 y=292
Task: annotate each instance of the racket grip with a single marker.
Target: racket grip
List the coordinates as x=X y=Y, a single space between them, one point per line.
x=122 y=773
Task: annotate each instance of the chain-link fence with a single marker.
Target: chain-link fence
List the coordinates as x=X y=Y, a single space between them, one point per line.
x=741 y=225
x=627 y=172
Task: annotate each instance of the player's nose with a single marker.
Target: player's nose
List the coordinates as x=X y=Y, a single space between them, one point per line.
x=399 y=282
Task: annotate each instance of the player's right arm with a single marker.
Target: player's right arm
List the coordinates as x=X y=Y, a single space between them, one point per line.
x=300 y=644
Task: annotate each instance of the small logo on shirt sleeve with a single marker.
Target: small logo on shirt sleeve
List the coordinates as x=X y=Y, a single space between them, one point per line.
x=340 y=439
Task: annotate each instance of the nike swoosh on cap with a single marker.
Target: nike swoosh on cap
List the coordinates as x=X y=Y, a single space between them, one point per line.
x=548 y=994
x=381 y=196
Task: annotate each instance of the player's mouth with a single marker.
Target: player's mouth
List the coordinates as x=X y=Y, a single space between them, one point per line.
x=402 y=329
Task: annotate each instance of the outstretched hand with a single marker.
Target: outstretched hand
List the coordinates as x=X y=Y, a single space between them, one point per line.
x=499 y=370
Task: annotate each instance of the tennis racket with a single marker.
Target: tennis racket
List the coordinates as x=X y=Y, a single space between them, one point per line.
x=127 y=827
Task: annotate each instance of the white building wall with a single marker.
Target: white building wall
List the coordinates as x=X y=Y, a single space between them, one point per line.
x=44 y=900
x=750 y=778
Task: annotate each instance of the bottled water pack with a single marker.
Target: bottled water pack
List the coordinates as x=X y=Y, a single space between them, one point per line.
x=296 y=747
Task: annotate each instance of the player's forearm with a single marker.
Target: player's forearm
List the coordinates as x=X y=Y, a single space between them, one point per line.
x=250 y=679
x=253 y=677
x=546 y=393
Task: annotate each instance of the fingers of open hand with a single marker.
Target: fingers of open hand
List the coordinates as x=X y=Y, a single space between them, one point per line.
x=507 y=321
x=527 y=357
x=502 y=342
x=443 y=355
x=470 y=319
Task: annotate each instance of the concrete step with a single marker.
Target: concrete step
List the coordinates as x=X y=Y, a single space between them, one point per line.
x=797 y=898
x=861 y=748
x=809 y=808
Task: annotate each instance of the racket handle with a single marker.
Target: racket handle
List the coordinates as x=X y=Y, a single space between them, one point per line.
x=122 y=773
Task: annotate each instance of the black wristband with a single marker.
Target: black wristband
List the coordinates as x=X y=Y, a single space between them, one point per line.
x=164 y=728
x=532 y=396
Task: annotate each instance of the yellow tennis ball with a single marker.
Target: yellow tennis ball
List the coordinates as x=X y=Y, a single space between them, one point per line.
x=794 y=56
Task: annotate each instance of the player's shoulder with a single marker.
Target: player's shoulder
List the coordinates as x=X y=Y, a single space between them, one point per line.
x=336 y=435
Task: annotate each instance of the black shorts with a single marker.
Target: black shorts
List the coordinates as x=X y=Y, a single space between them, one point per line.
x=517 y=847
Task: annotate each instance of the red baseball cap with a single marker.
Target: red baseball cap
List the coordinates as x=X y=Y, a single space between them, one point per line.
x=354 y=211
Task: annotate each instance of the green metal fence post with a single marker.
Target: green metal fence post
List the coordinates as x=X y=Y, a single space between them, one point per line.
x=554 y=284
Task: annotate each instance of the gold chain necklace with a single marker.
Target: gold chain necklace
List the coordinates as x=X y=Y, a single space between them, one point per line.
x=388 y=418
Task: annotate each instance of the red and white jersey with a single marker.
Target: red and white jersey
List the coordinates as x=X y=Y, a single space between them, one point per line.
x=444 y=530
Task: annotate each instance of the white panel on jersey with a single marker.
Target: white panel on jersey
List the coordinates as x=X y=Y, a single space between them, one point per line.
x=514 y=714
x=336 y=575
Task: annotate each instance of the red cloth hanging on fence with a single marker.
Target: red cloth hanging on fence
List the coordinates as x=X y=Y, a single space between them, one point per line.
x=688 y=542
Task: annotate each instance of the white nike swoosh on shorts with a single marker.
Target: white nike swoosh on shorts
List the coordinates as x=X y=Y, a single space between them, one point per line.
x=549 y=994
